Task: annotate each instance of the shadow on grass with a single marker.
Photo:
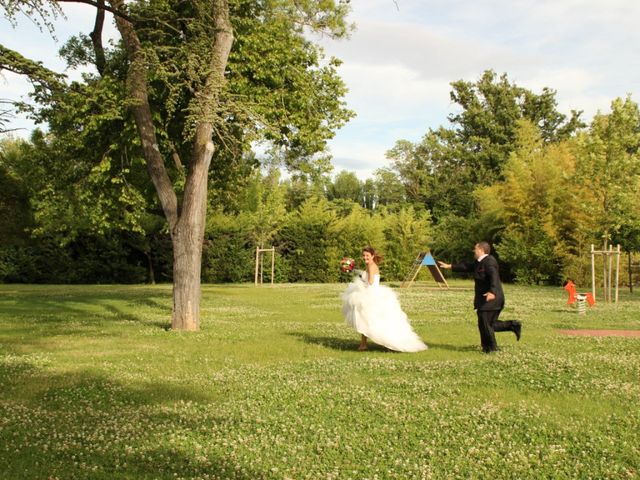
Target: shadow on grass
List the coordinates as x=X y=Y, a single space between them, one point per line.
x=166 y=326
x=118 y=430
x=453 y=348
x=343 y=344
x=56 y=310
x=336 y=343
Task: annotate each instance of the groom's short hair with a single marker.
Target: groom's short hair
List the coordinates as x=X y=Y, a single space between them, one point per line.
x=485 y=247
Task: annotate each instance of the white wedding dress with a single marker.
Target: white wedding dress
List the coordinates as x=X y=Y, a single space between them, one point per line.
x=374 y=311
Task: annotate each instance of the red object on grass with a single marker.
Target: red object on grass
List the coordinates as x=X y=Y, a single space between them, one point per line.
x=573 y=294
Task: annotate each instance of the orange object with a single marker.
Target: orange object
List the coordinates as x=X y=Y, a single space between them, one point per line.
x=573 y=294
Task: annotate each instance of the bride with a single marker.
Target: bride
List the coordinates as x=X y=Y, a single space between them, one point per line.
x=374 y=312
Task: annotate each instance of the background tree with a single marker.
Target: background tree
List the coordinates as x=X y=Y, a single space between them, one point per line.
x=369 y=194
x=449 y=163
x=413 y=168
x=346 y=186
x=536 y=204
x=407 y=232
x=266 y=207
x=389 y=190
x=306 y=241
x=609 y=169
x=487 y=123
x=16 y=216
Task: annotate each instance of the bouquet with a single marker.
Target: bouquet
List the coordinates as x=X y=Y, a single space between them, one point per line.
x=347 y=265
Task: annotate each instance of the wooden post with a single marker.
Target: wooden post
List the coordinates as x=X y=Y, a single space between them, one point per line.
x=260 y=264
x=604 y=271
x=273 y=264
x=617 y=270
x=262 y=267
x=593 y=272
x=630 y=274
x=608 y=256
x=257 y=261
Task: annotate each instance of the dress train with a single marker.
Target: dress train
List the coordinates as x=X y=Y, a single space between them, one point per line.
x=374 y=311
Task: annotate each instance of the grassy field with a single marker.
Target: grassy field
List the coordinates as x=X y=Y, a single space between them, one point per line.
x=93 y=384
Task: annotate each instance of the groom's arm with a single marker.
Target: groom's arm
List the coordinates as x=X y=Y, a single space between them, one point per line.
x=457 y=267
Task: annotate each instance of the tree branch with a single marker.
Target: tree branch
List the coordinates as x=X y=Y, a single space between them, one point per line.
x=137 y=87
x=96 y=38
x=100 y=4
x=12 y=61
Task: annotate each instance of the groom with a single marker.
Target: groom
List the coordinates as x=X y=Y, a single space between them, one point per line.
x=489 y=297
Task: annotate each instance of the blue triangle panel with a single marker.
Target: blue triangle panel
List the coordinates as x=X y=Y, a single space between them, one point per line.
x=428 y=260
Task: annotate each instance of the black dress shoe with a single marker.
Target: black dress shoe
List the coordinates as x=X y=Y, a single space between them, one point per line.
x=517 y=329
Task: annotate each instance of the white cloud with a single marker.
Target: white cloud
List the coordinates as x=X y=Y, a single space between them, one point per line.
x=362 y=158
x=386 y=94
x=575 y=89
x=392 y=103
x=420 y=48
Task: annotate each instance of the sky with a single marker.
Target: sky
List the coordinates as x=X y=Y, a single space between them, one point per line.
x=402 y=56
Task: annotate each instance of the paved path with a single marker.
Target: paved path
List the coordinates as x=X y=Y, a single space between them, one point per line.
x=602 y=333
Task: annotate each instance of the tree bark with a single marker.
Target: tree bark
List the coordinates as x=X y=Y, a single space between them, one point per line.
x=151 y=276
x=189 y=234
x=96 y=38
x=187 y=224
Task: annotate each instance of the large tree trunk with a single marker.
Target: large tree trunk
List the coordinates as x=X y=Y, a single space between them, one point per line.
x=187 y=225
x=189 y=233
x=188 y=236
x=187 y=255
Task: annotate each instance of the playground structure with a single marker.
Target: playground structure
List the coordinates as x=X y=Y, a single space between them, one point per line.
x=607 y=254
x=610 y=264
x=424 y=259
x=259 y=275
x=580 y=299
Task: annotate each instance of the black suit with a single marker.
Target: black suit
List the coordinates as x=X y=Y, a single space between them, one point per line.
x=486 y=276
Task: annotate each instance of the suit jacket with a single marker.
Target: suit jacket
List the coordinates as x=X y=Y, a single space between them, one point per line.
x=486 y=276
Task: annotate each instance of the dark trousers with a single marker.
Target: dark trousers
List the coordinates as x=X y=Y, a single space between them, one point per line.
x=488 y=323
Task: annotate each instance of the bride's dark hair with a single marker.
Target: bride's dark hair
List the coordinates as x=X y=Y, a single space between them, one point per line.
x=377 y=258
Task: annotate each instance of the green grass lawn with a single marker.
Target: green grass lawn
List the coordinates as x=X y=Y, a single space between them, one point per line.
x=93 y=384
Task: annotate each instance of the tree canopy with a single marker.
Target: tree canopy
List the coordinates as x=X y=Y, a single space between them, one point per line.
x=443 y=169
